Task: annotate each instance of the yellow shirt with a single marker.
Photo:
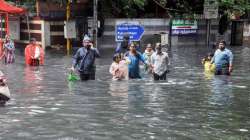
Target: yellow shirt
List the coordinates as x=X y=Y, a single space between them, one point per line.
x=207 y=67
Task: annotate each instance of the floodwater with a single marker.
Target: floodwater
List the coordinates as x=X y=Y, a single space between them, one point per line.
x=190 y=105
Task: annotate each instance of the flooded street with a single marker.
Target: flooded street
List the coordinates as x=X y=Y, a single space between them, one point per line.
x=190 y=105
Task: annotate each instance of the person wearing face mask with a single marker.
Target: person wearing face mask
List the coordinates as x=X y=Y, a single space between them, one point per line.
x=160 y=63
x=84 y=60
x=223 y=60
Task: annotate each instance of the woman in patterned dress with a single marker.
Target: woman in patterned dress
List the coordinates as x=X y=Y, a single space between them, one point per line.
x=9 y=51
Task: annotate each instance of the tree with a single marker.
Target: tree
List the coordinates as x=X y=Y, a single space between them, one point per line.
x=191 y=7
x=187 y=8
x=234 y=7
x=123 y=8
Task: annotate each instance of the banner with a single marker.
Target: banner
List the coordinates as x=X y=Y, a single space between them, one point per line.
x=184 y=27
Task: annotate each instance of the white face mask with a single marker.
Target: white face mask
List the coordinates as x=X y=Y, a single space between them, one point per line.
x=158 y=50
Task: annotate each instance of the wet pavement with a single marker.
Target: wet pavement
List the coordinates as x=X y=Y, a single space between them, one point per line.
x=190 y=105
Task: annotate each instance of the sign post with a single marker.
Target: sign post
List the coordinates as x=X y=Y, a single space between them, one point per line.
x=211 y=8
x=132 y=29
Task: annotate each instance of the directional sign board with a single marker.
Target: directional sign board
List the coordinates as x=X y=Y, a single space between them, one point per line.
x=211 y=9
x=133 y=29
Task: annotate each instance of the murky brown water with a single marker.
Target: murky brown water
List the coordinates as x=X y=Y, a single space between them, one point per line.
x=188 y=106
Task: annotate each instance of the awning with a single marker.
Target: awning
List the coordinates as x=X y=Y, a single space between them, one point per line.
x=8 y=8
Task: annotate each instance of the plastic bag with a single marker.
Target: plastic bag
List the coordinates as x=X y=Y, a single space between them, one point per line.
x=73 y=77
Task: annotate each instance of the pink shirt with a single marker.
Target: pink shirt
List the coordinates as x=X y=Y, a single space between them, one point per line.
x=119 y=71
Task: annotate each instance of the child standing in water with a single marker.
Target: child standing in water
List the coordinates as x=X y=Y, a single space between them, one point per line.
x=119 y=68
x=207 y=62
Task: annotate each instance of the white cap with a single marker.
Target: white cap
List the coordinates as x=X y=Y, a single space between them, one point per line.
x=86 y=38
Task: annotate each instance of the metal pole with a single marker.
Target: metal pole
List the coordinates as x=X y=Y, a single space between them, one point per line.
x=67 y=19
x=1 y=26
x=28 y=25
x=7 y=24
x=95 y=22
x=170 y=33
x=208 y=32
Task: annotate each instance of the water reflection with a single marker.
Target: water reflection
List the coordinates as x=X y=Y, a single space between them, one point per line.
x=208 y=75
x=33 y=78
x=187 y=106
x=135 y=95
x=222 y=84
x=221 y=88
x=119 y=89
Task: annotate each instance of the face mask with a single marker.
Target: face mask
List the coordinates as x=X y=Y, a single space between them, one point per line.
x=88 y=46
x=158 y=50
x=222 y=48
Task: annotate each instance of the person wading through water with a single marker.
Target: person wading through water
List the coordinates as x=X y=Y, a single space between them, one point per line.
x=160 y=63
x=84 y=60
x=134 y=57
x=34 y=54
x=147 y=56
x=223 y=60
x=8 y=51
x=123 y=47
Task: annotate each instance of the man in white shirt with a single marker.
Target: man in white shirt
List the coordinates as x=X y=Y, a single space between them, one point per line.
x=160 y=63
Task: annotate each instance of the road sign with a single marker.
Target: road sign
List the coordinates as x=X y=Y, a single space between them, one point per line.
x=135 y=31
x=211 y=9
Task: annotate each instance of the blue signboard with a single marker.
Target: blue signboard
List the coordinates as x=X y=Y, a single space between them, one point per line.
x=134 y=31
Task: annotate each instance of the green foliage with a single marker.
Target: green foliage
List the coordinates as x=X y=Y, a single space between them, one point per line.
x=129 y=7
x=234 y=6
x=122 y=8
x=176 y=8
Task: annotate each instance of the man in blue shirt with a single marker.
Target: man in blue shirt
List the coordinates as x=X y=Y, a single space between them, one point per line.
x=123 y=46
x=223 y=60
x=84 y=60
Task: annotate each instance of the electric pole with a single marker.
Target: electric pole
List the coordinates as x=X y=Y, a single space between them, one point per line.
x=95 y=22
x=67 y=19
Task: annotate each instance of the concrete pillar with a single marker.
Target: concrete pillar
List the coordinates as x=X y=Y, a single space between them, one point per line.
x=45 y=27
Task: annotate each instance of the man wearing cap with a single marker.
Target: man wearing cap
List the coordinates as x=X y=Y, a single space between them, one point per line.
x=84 y=60
x=34 y=54
x=160 y=63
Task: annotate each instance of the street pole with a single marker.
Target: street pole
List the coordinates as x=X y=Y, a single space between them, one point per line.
x=67 y=19
x=208 y=32
x=170 y=33
x=95 y=22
